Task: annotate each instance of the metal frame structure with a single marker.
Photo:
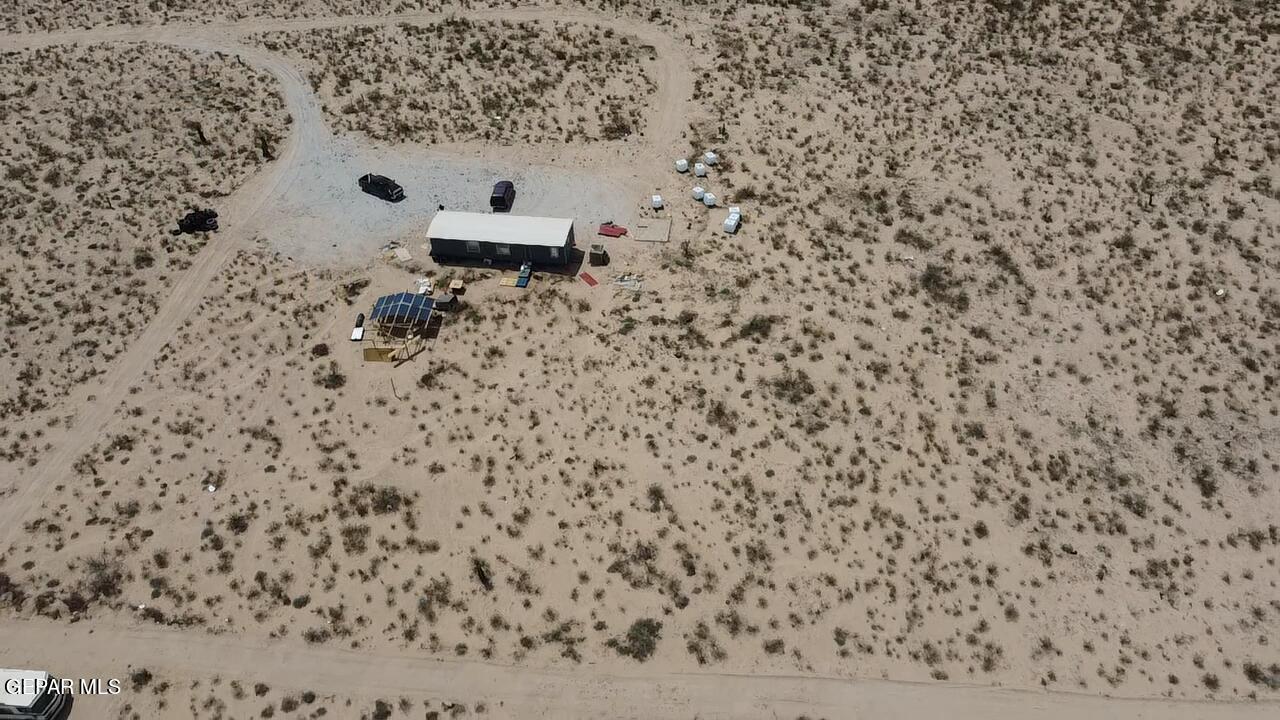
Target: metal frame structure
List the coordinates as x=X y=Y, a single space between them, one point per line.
x=399 y=322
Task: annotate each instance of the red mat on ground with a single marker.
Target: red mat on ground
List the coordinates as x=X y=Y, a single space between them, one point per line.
x=590 y=281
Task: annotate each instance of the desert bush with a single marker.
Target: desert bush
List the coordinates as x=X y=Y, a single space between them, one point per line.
x=640 y=641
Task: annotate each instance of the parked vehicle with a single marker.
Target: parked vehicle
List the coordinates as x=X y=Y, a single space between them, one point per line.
x=383 y=187
x=32 y=695
x=503 y=196
x=198 y=221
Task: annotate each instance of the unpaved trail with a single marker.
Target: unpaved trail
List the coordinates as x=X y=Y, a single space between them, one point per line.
x=94 y=404
x=585 y=691
x=674 y=78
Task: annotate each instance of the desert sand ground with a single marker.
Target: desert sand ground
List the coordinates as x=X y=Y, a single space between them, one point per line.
x=982 y=395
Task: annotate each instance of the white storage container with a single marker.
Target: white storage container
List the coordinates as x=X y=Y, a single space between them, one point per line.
x=709 y=200
x=699 y=169
x=698 y=192
x=682 y=165
x=710 y=158
x=732 y=222
x=657 y=202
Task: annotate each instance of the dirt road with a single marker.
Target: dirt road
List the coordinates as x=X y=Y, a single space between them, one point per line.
x=576 y=692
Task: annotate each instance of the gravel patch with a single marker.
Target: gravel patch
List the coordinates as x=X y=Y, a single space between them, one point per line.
x=324 y=219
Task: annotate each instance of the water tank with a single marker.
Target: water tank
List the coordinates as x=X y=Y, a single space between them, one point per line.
x=710 y=158
x=699 y=169
x=657 y=202
x=682 y=165
x=709 y=200
x=698 y=192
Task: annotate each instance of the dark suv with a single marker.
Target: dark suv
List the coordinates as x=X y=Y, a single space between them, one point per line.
x=503 y=197
x=383 y=187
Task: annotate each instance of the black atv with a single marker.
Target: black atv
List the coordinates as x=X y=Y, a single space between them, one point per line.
x=198 y=221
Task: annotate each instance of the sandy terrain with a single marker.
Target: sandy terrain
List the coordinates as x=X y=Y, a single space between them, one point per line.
x=982 y=396
x=93 y=185
x=493 y=80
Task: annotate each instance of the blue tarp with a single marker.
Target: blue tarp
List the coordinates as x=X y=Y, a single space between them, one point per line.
x=402 y=309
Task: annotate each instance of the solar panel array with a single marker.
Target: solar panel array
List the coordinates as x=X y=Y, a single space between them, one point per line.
x=402 y=309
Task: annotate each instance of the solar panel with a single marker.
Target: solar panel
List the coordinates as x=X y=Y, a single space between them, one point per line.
x=402 y=308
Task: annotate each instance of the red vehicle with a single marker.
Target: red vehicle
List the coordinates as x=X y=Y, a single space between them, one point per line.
x=608 y=229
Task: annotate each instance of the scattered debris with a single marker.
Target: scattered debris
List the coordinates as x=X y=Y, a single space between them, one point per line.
x=609 y=229
x=598 y=255
x=519 y=281
x=732 y=222
x=629 y=281
x=357 y=332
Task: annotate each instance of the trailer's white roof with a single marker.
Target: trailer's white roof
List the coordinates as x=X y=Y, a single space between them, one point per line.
x=25 y=683
x=500 y=228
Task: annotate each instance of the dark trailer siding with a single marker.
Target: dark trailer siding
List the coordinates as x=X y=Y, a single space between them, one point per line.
x=450 y=249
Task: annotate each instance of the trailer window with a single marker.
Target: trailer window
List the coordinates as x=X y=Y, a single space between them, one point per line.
x=473 y=247
x=555 y=253
x=504 y=250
